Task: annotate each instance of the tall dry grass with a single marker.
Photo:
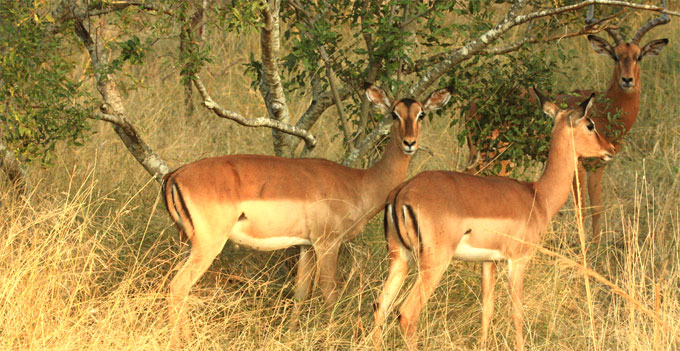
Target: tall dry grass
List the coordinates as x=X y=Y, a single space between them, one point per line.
x=85 y=260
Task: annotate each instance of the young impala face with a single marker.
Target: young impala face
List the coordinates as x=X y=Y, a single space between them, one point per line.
x=407 y=114
x=587 y=141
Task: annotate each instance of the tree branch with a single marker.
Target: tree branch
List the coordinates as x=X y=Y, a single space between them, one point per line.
x=209 y=103
x=113 y=110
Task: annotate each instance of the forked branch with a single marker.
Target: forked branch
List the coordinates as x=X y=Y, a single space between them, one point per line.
x=220 y=111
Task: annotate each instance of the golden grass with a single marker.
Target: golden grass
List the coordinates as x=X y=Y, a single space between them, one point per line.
x=85 y=261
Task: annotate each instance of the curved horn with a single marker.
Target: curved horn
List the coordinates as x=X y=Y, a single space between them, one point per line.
x=663 y=19
x=613 y=32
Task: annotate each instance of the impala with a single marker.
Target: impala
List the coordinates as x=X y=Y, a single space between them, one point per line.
x=440 y=215
x=622 y=97
x=271 y=203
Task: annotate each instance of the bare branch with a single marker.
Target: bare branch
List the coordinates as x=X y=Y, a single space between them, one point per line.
x=209 y=103
x=113 y=110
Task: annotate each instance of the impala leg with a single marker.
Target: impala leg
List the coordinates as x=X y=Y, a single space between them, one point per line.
x=579 y=189
x=516 y=270
x=429 y=275
x=305 y=272
x=200 y=258
x=595 y=194
x=488 y=282
x=327 y=264
x=398 y=270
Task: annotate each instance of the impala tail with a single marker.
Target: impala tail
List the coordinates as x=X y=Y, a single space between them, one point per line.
x=174 y=202
x=401 y=221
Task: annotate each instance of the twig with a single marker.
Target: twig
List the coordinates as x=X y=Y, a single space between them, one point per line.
x=209 y=103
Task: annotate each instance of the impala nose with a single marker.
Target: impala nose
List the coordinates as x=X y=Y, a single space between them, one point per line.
x=409 y=146
x=627 y=82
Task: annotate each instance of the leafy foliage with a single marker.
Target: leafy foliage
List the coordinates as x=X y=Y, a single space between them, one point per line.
x=499 y=110
x=43 y=104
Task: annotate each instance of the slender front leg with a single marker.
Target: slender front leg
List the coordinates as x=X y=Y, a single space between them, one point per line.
x=305 y=271
x=488 y=282
x=327 y=265
x=516 y=271
x=595 y=194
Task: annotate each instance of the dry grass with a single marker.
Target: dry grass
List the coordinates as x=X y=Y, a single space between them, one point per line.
x=85 y=263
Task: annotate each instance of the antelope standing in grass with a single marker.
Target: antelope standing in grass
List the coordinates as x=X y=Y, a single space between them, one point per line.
x=440 y=215
x=621 y=97
x=271 y=203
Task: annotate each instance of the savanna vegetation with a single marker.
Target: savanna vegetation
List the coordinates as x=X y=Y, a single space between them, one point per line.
x=101 y=98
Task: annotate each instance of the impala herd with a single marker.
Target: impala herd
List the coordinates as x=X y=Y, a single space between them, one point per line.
x=270 y=203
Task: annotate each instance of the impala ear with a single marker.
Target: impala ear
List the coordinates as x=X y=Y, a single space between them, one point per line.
x=587 y=105
x=437 y=99
x=584 y=108
x=602 y=47
x=653 y=48
x=549 y=108
x=378 y=96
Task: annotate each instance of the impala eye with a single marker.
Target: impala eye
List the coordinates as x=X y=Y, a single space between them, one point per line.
x=591 y=126
x=421 y=115
x=395 y=116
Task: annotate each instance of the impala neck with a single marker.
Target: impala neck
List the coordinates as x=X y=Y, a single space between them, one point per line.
x=384 y=176
x=553 y=187
x=628 y=102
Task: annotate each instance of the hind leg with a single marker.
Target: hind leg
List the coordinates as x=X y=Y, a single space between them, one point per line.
x=202 y=254
x=399 y=258
x=432 y=268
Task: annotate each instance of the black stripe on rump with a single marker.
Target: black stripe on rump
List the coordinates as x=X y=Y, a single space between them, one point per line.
x=396 y=221
x=183 y=205
x=414 y=219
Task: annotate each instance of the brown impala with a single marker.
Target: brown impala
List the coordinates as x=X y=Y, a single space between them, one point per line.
x=440 y=215
x=622 y=97
x=271 y=203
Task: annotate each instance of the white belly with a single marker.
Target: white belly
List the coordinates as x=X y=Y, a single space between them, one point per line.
x=466 y=252
x=238 y=236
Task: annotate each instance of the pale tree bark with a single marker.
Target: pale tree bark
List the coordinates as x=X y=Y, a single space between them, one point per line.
x=113 y=110
x=220 y=111
x=271 y=87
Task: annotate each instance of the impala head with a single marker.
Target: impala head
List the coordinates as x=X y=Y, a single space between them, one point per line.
x=407 y=113
x=627 y=56
x=587 y=140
